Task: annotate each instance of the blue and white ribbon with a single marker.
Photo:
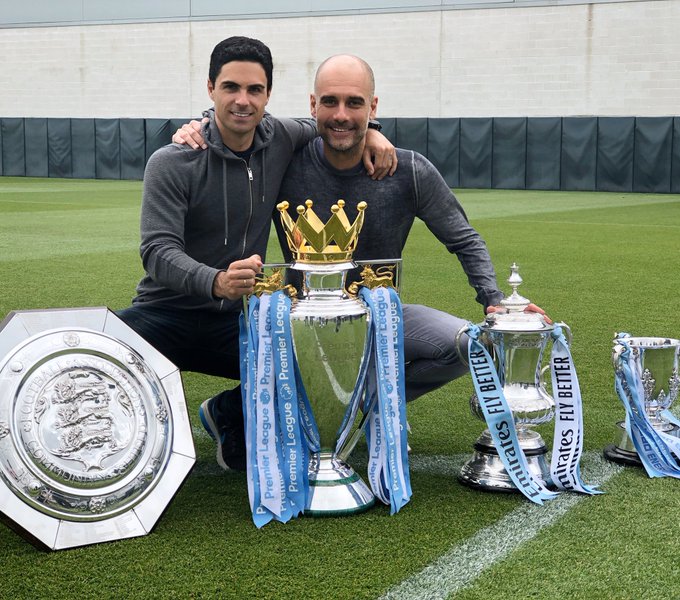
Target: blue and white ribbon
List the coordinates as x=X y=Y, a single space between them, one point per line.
x=293 y=448
x=568 y=439
x=280 y=430
x=655 y=448
x=500 y=420
x=386 y=434
x=279 y=423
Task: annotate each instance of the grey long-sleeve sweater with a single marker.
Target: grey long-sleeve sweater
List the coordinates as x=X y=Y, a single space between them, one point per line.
x=415 y=190
x=202 y=210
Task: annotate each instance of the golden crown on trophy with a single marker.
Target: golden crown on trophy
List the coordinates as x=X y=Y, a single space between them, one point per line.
x=312 y=241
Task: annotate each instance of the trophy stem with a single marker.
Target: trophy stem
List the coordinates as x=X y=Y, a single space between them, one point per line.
x=335 y=488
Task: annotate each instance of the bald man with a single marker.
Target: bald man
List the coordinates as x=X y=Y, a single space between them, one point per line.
x=329 y=167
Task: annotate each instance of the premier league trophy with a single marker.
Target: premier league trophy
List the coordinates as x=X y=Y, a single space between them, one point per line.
x=519 y=341
x=329 y=330
x=647 y=382
x=327 y=375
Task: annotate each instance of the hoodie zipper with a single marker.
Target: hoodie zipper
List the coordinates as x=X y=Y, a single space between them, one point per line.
x=250 y=216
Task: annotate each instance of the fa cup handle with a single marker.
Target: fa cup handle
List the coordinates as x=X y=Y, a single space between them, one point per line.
x=462 y=352
x=567 y=331
x=541 y=379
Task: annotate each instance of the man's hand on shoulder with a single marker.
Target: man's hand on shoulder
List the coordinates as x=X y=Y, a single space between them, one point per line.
x=239 y=278
x=380 y=156
x=190 y=134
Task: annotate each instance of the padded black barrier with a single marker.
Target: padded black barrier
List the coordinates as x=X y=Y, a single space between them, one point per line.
x=389 y=128
x=476 y=152
x=615 y=147
x=544 y=153
x=59 y=142
x=13 y=147
x=579 y=153
x=653 y=153
x=675 y=164
x=158 y=133
x=412 y=134
x=509 y=159
x=107 y=148
x=83 y=149
x=132 y=148
x=35 y=139
x=443 y=148
x=640 y=154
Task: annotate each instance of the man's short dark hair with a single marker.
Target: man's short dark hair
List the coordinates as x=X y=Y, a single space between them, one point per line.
x=242 y=49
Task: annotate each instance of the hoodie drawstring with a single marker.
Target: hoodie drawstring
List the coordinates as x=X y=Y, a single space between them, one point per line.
x=226 y=207
x=264 y=172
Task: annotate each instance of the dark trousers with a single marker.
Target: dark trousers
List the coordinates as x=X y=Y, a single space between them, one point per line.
x=200 y=341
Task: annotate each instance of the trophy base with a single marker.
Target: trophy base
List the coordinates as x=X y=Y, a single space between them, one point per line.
x=335 y=489
x=624 y=453
x=485 y=470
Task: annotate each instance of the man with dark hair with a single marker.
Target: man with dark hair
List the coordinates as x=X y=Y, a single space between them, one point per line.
x=205 y=224
x=242 y=49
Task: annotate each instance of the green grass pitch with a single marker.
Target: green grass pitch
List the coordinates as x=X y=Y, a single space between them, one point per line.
x=601 y=262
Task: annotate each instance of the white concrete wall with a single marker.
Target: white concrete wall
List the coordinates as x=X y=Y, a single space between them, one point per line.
x=601 y=59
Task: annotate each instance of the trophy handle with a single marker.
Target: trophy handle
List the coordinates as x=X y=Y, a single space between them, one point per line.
x=541 y=378
x=569 y=335
x=617 y=351
x=483 y=339
x=456 y=342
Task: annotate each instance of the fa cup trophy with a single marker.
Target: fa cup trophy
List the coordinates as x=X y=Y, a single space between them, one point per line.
x=519 y=340
x=511 y=396
x=647 y=382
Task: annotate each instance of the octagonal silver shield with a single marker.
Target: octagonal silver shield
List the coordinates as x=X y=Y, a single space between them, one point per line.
x=95 y=438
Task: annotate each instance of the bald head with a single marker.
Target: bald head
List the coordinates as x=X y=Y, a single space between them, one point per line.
x=342 y=104
x=344 y=67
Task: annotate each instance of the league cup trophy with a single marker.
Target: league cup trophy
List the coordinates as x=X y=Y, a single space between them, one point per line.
x=519 y=340
x=647 y=382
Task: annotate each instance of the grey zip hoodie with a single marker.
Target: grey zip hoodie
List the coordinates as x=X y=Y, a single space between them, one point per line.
x=202 y=210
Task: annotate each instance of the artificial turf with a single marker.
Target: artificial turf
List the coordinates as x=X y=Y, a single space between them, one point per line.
x=601 y=262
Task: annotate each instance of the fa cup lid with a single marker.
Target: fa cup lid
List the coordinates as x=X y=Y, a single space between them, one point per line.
x=513 y=318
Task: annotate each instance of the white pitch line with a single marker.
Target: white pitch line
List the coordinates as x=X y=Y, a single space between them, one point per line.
x=463 y=563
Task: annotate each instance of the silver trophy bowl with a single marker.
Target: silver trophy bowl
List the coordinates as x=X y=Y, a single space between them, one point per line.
x=517 y=341
x=655 y=362
x=329 y=330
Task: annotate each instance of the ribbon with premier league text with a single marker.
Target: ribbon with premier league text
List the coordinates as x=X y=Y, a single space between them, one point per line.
x=655 y=448
x=386 y=433
x=279 y=427
x=279 y=424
